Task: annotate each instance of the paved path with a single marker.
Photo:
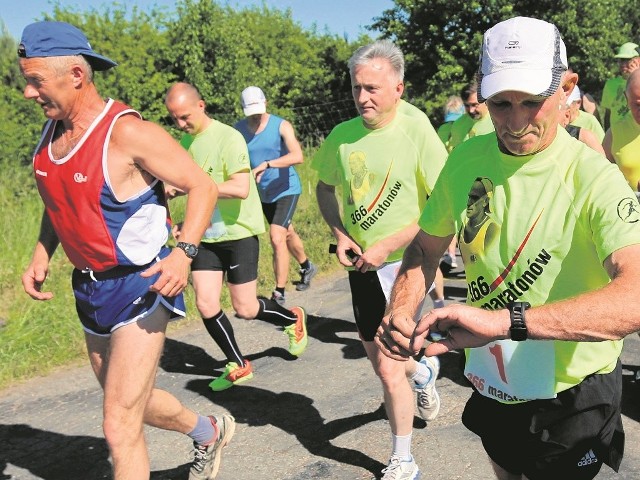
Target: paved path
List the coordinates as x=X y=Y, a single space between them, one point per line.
x=317 y=417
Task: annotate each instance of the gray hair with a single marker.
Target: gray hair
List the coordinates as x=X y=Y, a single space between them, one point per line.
x=379 y=49
x=60 y=64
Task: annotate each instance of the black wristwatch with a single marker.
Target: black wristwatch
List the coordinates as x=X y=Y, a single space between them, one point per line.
x=189 y=249
x=518 y=328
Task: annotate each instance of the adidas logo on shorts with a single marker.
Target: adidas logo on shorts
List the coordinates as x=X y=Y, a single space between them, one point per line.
x=588 y=459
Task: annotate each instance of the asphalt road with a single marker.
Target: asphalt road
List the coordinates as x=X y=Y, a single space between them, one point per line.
x=316 y=417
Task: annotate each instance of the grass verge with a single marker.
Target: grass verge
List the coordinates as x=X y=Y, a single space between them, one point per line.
x=38 y=337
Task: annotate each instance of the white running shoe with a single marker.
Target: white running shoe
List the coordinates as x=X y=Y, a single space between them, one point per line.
x=428 y=399
x=451 y=260
x=399 y=469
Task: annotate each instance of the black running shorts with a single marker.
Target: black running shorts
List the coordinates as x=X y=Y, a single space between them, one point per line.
x=237 y=258
x=281 y=211
x=368 y=301
x=568 y=437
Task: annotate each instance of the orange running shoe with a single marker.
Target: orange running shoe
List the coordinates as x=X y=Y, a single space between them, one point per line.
x=233 y=374
x=297 y=332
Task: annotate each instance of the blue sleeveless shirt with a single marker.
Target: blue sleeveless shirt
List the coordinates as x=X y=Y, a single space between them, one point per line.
x=269 y=145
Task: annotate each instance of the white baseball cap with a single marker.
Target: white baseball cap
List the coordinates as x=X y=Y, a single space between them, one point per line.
x=253 y=101
x=575 y=95
x=524 y=55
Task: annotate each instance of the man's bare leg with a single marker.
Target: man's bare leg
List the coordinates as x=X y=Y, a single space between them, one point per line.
x=125 y=365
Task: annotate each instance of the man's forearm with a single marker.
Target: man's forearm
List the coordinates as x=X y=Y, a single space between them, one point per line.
x=329 y=209
x=411 y=283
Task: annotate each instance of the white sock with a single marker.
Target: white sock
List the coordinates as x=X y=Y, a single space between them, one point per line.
x=422 y=374
x=402 y=446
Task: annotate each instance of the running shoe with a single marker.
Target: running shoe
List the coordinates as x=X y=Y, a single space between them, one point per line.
x=206 y=459
x=399 y=469
x=428 y=399
x=278 y=297
x=233 y=375
x=306 y=274
x=297 y=332
x=451 y=260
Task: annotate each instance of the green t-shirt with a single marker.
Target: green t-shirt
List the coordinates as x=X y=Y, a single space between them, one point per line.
x=625 y=148
x=613 y=98
x=466 y=127
x=590 y=122
x=386 y=174
x=221 y=151
x=556 y=216
x=444 y=133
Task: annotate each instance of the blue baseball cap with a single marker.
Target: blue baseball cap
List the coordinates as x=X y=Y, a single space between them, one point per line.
x=59 y=39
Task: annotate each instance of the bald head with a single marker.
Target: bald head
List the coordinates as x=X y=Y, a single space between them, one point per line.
x=187 y=108
x=182 y=90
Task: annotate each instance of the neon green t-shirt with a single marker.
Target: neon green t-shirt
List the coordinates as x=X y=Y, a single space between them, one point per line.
x=466 y=127
x=556 y=216
x=625 y=148
x=590 y=122
x=385 y=174
x=444 y=133
x=613 y=98
x=221 y=151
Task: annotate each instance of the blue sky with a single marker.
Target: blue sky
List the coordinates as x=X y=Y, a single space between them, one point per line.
x=340 y=16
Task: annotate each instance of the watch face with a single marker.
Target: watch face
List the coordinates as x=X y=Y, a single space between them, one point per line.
x=189 y=248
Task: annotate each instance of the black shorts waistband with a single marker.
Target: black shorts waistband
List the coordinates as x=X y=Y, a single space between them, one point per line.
x=89 y=275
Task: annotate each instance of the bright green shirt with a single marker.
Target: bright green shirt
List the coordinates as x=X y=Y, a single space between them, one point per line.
x=625 y=148
x=444 y=133
x=558 y=214
x=466 y=127
x=590 y=122
x=613 y=98
x=385 y=174
x=221 y=151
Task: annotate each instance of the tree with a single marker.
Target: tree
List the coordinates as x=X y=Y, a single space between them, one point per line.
x=441 y=39
x=137 y=41
x=222 y=51
x=20 y=120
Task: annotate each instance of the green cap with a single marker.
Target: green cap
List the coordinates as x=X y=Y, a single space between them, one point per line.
x=627 y=50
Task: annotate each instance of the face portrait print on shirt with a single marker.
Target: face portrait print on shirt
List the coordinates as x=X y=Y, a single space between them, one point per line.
x=479 y=229
x=361 y=178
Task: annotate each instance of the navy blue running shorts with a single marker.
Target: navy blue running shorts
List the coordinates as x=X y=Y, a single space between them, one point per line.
x=281 y=211
x=104 y=305
x=568 y=437
x=237 y=258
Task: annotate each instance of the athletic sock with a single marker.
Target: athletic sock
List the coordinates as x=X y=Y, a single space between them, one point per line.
x=204 y=432
x=422 y=374
x=220 y=329
x=271 y=312
x=401 y=446
x=438 y=303
x=280 y=290
x=305 y=265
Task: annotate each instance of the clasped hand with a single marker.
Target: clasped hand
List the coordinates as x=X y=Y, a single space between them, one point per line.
x=462 y=326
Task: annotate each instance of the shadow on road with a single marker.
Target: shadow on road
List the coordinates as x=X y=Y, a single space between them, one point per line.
x=294 y=414
x=180 y=357
x=53 y=456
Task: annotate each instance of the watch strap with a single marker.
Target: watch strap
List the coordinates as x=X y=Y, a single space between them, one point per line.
x=518 y=330
x=189 y=249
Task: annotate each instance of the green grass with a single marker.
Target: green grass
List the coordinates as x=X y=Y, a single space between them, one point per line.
x=38 y=337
